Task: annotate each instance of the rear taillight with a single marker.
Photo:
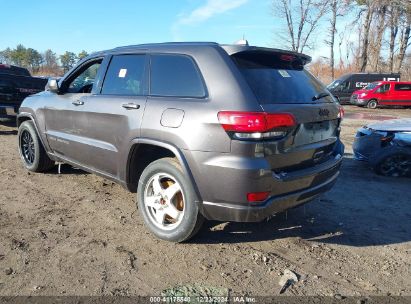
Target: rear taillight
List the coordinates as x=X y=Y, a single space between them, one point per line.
x=341 y=113
x=255 y=125
x=255 y=197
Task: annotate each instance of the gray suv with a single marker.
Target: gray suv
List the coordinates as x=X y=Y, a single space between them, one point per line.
x=197 y=130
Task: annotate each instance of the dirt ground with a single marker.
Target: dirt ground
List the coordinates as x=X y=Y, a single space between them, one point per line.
x=77 y=234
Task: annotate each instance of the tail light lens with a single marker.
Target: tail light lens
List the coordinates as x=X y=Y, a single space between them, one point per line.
x=341 y=113
x=254 y=197
x=254 y=123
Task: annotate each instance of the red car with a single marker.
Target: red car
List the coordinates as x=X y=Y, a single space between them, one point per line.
x=383 y=93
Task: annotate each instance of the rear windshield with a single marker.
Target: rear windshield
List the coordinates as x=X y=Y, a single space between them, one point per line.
x=279 y=78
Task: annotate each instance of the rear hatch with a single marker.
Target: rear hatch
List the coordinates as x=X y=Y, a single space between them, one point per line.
x=282 y=85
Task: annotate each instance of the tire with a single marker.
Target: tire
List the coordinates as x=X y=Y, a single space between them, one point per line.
x=372 y=104
x=31 y=149
x=167 y=201
x=393 y=162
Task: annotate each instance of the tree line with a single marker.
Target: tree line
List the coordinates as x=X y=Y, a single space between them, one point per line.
x=375 y=37
x=45 y=63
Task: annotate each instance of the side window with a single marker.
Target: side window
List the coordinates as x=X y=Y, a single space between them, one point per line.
x=384 y=88
x=344 y=86
x=175 y=75
x=403 y=87
x=125 y=76
x=83 y=82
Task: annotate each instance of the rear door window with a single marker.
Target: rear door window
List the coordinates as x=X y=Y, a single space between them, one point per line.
x=175 y=75
x=403 y=87
x=279 y=78
x=126 y=76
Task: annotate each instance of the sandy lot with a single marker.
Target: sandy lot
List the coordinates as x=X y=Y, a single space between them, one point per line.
x=78 y=234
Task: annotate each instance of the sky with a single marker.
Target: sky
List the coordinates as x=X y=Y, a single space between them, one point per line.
x=97 y=25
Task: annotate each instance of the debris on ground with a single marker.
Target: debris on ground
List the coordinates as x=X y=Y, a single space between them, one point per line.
x=288 y=278
x=8 y=271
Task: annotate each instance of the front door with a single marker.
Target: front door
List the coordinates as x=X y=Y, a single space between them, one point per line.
x=61 y=111
x=103 y=122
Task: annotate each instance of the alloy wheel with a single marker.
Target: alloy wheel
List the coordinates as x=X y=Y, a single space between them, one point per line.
x=396 y=165
x=27 y=147
x=164 y=201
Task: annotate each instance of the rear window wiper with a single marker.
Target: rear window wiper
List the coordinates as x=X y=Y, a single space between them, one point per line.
x=320 y=95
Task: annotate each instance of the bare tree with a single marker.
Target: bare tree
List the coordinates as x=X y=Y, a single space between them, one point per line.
x=381 y=13
x=302 y=18
x=393 y=25
x=405 y=39
x=369 y=11
x=337 y=9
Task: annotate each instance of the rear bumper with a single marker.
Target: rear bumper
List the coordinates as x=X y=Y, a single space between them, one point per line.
x=8 y=111
x=320 y=179
x=366 y=144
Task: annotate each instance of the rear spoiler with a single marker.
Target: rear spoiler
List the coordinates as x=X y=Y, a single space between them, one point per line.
x=234 y=50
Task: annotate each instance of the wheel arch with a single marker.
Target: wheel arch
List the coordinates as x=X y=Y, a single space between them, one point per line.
x=25 y=116
x=143 y=151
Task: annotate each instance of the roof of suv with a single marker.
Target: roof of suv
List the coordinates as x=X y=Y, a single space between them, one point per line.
x=229 y=48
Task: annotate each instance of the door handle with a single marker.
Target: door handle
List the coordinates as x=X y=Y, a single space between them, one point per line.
x=78 y=103
x=130 y=106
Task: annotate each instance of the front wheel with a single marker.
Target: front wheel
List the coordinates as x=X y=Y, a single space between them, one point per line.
x=394 y=165
x=167 y=201
x=372 y=104
x=31 y=149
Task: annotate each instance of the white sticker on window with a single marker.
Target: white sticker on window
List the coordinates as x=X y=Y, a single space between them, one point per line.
x=122 y=73
x=284 y=73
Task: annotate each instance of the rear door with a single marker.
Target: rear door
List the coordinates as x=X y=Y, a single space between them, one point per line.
x=282 y=85
x=112 y=116
x=402 y=92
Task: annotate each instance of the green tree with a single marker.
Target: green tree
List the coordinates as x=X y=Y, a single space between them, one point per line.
x=50 y=59
x=32 y=59
x=18 y=55
x=5 y=56
x=68 y=59
x=82 y=55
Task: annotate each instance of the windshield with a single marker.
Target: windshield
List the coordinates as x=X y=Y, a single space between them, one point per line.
x=334 y=84
x=371 y=86
x=277 y=81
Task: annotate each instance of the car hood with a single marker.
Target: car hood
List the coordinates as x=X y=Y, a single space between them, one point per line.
x=399 y=125
x=358 y=92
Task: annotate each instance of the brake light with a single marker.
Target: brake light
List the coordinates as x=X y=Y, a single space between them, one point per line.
x=251 y=122
x=287 y=57
x=341 y=112
x=257 y=196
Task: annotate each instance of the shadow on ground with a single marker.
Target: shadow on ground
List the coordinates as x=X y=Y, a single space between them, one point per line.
x=11 y=123
x=363 y=209
x=66 y=169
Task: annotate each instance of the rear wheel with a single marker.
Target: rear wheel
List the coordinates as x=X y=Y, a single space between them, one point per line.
x=31 y=149
x=393 y=162
x=167 y=203
x=372 y=104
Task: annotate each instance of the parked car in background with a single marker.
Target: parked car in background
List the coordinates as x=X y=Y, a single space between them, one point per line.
x=16 y=83
x=343 y=87
x=198 y=130
x=383 y=93
x=386 y=146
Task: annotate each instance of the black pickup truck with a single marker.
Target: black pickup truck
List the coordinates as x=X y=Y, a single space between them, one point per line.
x=16 y=83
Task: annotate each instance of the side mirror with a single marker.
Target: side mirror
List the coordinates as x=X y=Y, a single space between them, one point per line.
x=52 y=86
